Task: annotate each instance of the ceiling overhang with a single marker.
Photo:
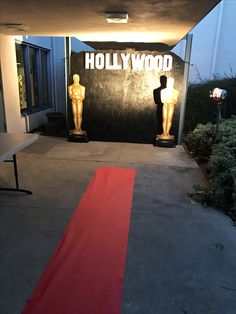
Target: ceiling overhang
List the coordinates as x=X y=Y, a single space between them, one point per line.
x=165 y=21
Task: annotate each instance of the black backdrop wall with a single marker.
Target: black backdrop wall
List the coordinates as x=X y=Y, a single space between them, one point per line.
x=119 y=104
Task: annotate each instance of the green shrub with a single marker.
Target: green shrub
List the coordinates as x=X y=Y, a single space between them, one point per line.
x=221 y=167
x=199 y=142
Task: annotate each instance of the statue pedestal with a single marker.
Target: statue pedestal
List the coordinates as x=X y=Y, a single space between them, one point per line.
x=80 y=137
x=165 y=141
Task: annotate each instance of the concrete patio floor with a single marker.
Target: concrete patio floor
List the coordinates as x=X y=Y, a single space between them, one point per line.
x=181 y=256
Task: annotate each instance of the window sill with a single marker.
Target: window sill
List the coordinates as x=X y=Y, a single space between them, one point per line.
x=25 y=112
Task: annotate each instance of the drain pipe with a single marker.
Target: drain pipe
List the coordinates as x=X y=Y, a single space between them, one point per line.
x=67 y=50
x=189 y=39
x=26 y=122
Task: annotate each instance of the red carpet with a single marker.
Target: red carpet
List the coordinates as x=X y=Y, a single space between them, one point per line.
x=85 y=274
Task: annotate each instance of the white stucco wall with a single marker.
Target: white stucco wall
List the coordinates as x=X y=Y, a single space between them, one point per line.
x=14 y=121
x=225 y=63
x=59 y=63
x=214 y=44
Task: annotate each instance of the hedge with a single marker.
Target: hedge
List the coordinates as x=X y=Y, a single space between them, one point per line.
x=218 y=151
x=201 y=109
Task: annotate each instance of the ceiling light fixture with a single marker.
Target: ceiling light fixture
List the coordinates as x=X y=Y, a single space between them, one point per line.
x=17 y=27
x=117 y=17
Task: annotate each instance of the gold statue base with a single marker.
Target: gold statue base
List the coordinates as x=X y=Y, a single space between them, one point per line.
x=79 y=132
x=78 y=136
x=165 y=141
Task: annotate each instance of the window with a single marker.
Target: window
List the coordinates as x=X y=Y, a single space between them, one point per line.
x=2 y=111
x=33 y=67
x=21 y=77
x=33 y=77
x=44 y=78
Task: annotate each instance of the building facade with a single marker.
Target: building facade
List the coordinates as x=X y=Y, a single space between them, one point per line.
x=32 y=80
x=214 y=44
x=33 y=69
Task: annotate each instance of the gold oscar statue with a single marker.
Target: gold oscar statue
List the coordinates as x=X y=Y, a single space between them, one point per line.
x=77 y=93
x=169 y=97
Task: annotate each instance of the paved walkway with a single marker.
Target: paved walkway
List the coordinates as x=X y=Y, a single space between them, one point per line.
x=181 y=256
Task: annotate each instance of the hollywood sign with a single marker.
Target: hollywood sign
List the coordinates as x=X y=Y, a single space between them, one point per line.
x=138 y=62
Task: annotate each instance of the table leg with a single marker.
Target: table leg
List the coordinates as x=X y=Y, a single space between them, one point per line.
x=16 y=172
x=16 y=179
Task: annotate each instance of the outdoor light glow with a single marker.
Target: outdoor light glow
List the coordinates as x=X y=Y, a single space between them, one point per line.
x=219 y=93
x=144 y=37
